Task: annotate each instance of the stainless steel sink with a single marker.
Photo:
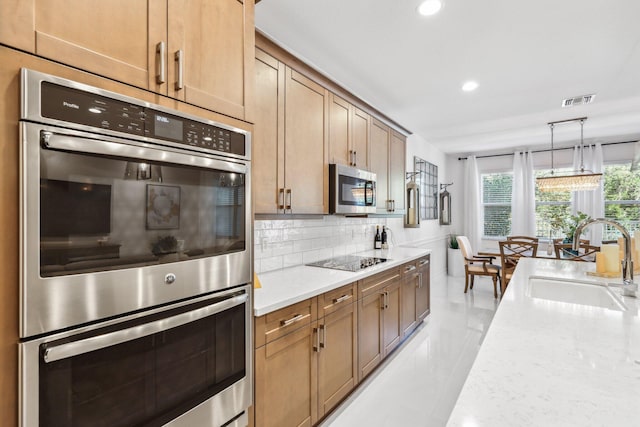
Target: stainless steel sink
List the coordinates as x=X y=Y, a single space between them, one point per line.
x=575 y=292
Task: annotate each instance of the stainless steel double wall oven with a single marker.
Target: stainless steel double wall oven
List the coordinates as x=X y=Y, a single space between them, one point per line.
x=135 y=262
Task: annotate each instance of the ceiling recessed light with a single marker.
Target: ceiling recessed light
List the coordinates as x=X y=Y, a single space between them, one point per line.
x=429 y=7
x=469 y=86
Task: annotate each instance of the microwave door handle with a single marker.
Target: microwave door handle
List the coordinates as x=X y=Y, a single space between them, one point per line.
x=368 y=190
x=105 y=146
x=76 y=348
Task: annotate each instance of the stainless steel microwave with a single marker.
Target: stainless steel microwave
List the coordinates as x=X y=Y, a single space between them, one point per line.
x=351 y=190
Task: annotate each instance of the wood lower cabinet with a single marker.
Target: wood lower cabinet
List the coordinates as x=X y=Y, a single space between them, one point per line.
x=423 y=291
x=199 y=51
x=311 y=355
x=286 y=366
x=290 y=141
x=286 y=380
x=337 y=356
x=410 y=284
x=378 y=319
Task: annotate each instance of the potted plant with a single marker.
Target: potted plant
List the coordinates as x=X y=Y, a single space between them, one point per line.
x=569 y=225
x=455 y=263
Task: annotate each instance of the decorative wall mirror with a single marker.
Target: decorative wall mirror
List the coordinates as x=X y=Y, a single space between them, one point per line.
x=445 y=205
x=427 y=180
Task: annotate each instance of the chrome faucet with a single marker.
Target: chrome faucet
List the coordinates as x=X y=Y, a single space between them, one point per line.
x=629 y=288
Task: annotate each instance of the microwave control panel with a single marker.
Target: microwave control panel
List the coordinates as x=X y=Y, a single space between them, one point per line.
x=97 y=111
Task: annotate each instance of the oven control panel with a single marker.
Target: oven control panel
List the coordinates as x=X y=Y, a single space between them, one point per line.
x=98 y=111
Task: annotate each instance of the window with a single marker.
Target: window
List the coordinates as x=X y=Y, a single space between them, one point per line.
x=496 y=203
x=551 y=207
x=621 y=198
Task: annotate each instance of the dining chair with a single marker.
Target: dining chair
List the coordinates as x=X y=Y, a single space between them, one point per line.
x=510 y=253
x=523 y=238
x=586 y=252
x=477 y=265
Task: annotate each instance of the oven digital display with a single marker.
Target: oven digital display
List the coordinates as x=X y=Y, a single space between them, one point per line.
x=166 y=127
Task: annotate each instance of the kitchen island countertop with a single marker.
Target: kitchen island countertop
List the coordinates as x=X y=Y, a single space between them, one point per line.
x=281 y=288
x=549 y=363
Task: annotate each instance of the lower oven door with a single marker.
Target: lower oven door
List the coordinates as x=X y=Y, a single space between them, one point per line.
x=188 y=364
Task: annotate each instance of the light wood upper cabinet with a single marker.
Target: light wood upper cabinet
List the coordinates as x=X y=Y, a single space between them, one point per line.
x=340 y=113
x=211 y=53
x=397 y=147
x=135 y=41
x=387 y=159
x=306 y=141
x=379 y=142
x=290 y=141
x=268 y=135
x=360 y=138
x=348 y=133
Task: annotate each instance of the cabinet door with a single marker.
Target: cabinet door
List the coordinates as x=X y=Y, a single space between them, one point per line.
x=397 y=172
x=370 y=349
x=360 y=139
x=268 y=135
x=211 y=54
x=306 y=159
x=391 y=332
x=379 y=158
x=286 y=381
x=423 y=292
x=410 y=283
x=339 y=131
x=338 y=356
x=115 y=39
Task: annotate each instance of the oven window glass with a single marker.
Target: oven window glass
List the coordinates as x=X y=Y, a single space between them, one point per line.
x=355 y=191
x=99 y=213
x=148 y=381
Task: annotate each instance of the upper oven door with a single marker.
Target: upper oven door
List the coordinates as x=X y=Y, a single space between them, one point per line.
x=110 y=226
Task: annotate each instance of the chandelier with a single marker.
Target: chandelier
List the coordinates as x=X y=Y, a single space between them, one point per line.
x=578 y=180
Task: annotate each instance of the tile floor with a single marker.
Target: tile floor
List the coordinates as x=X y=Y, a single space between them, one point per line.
x=420 y=383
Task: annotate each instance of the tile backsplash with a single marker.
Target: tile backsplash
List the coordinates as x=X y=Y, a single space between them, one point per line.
x=285 y=243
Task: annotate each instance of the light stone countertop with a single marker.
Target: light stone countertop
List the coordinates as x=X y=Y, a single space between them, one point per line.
x=548 y=363
x=281 y=288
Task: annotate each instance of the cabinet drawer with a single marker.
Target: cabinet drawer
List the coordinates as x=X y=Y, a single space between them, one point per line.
x=336 y=299
x=274 y=325
x=374 y=283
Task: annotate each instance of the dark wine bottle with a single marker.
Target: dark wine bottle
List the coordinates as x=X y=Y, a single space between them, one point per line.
x=377 y=240
x=385 y=245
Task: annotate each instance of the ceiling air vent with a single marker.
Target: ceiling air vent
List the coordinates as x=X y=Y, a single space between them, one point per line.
x=578 y=100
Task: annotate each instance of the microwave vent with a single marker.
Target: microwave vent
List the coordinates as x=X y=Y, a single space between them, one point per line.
x=578 y=100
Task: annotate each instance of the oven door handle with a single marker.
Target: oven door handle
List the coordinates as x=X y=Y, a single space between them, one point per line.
x=76 y=348
x=103 y=146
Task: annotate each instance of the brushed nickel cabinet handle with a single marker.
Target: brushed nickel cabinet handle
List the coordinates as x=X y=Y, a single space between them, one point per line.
x=355 y=158
x=294 y=319
x=160 y=63
x=382 y=304
x=281 y=198
x=179 y=58
x=323 y=342
x=341 y=299
x=424 y=262
x=409 y=268
x=316 y=347
x=290 y=200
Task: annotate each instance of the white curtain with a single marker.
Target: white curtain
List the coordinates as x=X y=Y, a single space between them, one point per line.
x=472 y=208
x=523 y=196
x=590 y=202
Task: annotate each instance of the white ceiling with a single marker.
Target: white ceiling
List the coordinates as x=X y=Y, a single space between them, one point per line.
x=526 y=56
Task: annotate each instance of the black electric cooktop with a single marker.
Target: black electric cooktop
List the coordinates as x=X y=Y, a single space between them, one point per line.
x=348 y=262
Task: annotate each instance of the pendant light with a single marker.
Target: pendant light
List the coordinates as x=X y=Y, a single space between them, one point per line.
x=578 y=180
